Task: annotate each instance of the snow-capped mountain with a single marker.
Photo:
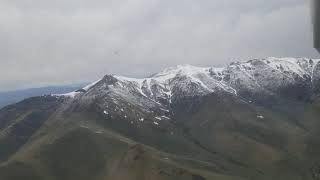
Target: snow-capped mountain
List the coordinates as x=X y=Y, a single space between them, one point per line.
x=267 y=75
x=249 y=120
x=152 y=97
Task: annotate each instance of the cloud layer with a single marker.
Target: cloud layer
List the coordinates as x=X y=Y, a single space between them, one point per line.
x=45 y=42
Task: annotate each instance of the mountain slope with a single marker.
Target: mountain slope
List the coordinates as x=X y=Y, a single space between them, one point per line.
x=250 y=120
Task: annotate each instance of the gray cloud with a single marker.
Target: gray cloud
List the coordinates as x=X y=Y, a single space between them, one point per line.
x=45 y=42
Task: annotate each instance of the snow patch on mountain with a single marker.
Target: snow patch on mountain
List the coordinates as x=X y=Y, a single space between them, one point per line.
x=70 y=94
x=86 y=88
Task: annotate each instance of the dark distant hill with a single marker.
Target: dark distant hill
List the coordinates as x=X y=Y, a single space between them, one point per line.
x=11 y=97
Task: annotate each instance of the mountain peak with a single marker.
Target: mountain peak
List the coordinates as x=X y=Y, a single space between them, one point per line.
x=267 y=75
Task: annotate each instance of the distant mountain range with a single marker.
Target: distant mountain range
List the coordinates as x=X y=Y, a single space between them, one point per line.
x=11 y=97
x=258 y=119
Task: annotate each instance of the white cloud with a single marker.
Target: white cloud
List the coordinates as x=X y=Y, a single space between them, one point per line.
x=52 y=42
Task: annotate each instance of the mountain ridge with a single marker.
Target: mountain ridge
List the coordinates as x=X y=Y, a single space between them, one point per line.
x=287 y=67
x=245 y=79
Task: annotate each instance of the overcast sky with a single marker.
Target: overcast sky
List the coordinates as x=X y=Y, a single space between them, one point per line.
x=47 y=42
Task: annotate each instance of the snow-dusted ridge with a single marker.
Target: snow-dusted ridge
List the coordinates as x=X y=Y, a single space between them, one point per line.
x=187 y=80
x=153 y=99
